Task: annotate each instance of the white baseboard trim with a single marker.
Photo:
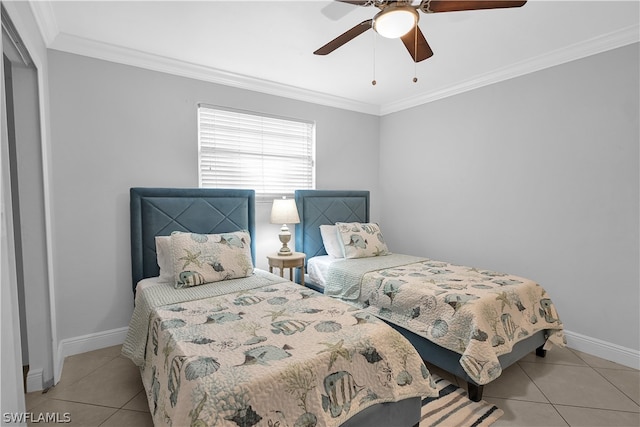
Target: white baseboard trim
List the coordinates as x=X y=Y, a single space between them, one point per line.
x=603 y=349
x=35 y=380
x=90 y=342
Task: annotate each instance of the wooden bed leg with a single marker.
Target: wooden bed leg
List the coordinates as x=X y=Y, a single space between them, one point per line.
x=541 y=352
x=475 y=391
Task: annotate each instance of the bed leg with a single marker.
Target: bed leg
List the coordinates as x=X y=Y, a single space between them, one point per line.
x=475 y=391
x=541 y=352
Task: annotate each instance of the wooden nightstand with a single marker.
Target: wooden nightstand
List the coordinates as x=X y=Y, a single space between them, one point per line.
x=295 y=260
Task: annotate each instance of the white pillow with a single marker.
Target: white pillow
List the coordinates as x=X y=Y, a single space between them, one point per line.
x=164 y=258
x=361 y=240
x=331 y=242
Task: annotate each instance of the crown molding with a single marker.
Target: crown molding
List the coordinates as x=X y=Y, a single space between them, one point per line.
x=56 y=40
x=108 y=52
x=623 y=37
x=45 y=19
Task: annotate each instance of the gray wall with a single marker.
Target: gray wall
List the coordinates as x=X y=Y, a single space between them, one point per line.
x=536 y=176
x=114 y=127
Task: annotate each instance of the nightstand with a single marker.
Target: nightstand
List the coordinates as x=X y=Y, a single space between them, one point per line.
x=295 y=260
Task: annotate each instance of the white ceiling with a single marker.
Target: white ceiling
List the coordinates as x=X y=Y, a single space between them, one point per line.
x=268 y=45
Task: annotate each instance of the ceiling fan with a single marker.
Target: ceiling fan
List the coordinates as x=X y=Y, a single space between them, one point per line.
x=399 y=19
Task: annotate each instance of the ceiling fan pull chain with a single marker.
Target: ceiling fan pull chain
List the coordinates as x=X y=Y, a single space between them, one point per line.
x=373 y=82
x=415 y=54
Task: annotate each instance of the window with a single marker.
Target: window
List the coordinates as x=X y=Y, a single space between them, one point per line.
x=239 y=149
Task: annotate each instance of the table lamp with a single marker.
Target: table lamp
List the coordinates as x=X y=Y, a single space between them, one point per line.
x=284 y=211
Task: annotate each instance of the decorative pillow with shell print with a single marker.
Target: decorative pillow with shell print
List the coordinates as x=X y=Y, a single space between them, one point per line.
x=207 y=258
x=361 y=240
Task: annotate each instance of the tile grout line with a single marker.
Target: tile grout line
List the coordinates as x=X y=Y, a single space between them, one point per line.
x=617 y=388
x=82 y=377
x=143 y=391
x=607 y=379
x=85 y=403
x=599 y=409
x=542 y=392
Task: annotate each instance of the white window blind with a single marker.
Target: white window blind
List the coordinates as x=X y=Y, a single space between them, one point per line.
x=272 y=155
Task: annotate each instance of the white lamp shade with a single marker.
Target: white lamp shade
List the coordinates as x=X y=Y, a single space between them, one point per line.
x=284 y=211
x=395 y=22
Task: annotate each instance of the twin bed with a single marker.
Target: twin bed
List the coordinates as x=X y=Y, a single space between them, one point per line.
x=221 y=343
x=470 y=322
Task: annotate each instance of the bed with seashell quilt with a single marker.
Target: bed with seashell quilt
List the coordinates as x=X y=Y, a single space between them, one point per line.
x=221 y=343
x=468 y=321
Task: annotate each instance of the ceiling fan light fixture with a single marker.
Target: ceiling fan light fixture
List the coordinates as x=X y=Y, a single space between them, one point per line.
x=395 y=21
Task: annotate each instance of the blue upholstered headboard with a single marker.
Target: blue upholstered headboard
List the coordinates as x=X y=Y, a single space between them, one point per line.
x=320 y=207
x=160 y=211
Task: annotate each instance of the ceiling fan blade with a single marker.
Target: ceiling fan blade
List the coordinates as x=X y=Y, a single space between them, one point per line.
x=357 y=2
x=418 y=47
x=336 y=10
x=344 y=38
x=433 y=6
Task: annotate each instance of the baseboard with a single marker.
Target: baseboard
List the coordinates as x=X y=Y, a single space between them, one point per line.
x=90 y=342
x=604 y=350
x=34 y=380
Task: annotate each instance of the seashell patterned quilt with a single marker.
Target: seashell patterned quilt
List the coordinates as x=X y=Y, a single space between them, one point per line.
x=477 y=313
x=274 y=355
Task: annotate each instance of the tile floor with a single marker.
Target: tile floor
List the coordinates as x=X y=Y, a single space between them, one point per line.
x=102 y=388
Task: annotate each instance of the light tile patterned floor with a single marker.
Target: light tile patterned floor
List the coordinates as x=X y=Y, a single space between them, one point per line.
x=102 y=388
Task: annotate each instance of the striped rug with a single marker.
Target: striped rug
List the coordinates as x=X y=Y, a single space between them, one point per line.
x=453 y=408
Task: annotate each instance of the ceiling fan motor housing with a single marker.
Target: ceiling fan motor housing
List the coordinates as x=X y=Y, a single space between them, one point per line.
x=395 y=21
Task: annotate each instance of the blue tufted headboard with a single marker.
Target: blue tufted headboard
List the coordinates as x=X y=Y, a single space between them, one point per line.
x=160 y=211
x=320 y=207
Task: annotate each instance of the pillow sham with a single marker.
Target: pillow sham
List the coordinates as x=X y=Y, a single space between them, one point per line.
x=331 y=241
x=361 y=240
x=207 y=258
x=164 y=259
